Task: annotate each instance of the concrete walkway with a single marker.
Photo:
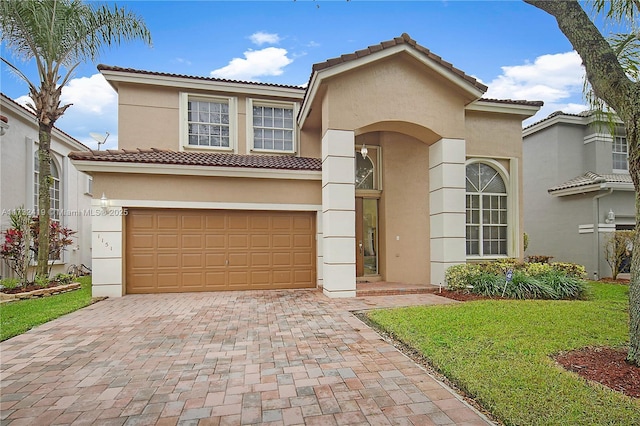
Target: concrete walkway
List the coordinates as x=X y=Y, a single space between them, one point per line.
x=272 y=357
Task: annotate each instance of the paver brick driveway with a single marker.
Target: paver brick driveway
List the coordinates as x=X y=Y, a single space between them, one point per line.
x=272 y=357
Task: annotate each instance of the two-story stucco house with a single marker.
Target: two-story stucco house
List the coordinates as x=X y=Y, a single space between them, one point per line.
x=577 y=188
x=388 y=166
x=71 y=191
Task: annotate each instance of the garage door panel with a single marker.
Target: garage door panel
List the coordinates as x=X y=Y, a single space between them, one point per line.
x=191 y=241
x=215 y=241
x=168 y=260
x=192 y=260
x=214 y=260
x=142 y=241
x=141 y=261
x=259 y=241
x=303 y=259
x=239 y=221
x=167 y=241
x=282 y=260
x=192 y=222
x=280 y=241
x=260 y=260
x=212 y=250
x=238 y=241
x=168 y=280
x=167 y=221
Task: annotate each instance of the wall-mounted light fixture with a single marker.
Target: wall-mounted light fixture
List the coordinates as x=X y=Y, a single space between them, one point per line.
x=611 y=217
x=364 y=151
x=104 y=202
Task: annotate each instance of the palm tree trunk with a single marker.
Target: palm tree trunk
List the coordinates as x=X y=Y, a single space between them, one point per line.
x=44 y=198
x=633 y=139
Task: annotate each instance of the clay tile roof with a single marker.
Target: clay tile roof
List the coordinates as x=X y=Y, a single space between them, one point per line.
x=162 y=156
x=3 y=118
x=102 y=67
x=514 y=102
x=590 y=178
x=403 y=39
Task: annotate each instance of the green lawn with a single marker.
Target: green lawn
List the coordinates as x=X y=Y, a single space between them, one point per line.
x=499 y=352
x=21 y=316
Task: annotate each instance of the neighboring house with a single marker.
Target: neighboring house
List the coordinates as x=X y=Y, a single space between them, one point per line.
x=360 y=176
x=576 y=181
x=71 y=190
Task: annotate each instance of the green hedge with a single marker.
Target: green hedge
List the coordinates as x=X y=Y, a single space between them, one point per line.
x=530 y=280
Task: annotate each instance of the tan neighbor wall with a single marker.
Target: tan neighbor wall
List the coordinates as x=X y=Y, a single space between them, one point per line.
x=207 y=189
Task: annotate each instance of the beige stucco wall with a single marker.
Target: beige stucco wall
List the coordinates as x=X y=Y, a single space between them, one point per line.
x=149 y=117
x=395 y=91
x=207 y=189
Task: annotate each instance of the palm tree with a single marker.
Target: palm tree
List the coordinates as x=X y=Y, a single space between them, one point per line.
x=58 y=35
x=612 y=70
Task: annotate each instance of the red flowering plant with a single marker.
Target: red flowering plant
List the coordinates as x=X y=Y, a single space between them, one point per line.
x=20 y=244
x=15 y=249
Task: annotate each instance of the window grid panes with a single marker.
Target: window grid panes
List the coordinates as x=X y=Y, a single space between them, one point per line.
x=486 y=211
x=208 y=123
x=273 y=128
x=620 y=153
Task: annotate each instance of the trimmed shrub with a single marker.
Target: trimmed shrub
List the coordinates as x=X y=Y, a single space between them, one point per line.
x=570 y=269
x=538 y=258
x=458 y=277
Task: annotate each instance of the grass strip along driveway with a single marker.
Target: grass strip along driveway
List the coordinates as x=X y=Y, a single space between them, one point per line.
x=500 y=353
x=21 y=316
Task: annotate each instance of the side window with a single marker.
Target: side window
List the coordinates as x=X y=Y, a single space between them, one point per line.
x=209 y=122
x=486 y=210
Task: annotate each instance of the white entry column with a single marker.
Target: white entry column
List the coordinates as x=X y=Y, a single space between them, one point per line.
x=447 y=205
x=107 y=250
x=338 y=214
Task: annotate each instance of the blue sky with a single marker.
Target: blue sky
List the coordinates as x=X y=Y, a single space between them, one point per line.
x=515 y=49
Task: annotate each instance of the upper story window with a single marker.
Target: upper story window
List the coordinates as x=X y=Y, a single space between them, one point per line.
x=620 y=153
x=54 y=192
x=210 y=122
x=273 y=126
x=486 y=211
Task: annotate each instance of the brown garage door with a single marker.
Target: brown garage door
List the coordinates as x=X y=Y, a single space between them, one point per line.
x=209 y=250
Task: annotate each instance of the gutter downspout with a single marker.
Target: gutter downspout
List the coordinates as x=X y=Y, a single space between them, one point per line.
x=596 y=231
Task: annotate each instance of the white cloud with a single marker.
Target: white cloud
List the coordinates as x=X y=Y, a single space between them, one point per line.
x=89 y=94
x=555 y=79
x=256 y=63
x=261 y=38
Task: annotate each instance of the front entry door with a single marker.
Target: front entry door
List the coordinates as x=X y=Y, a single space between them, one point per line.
x=366 y=236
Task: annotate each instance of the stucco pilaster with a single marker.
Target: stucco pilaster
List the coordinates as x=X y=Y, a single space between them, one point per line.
x=447 y=206
x=338 y=214
x=107 y=250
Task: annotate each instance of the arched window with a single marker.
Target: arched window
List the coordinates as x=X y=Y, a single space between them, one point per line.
x=54 y=191
x=486 y=211
x=364 y=173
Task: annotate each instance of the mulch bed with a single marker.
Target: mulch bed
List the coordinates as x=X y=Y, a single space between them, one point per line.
x=606 y=366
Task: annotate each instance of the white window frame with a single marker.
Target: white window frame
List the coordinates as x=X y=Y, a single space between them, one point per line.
x=274 y=104
x=184 y=121
x=36 y=185
x=512 y=210
x=614 y=152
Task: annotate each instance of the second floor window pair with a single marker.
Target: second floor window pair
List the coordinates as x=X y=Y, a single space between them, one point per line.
x=210 y=126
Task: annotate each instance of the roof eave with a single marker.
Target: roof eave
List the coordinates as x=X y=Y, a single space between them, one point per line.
x=101 y=166
x=584 y=189
x=114 y=77
x=523 y=110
